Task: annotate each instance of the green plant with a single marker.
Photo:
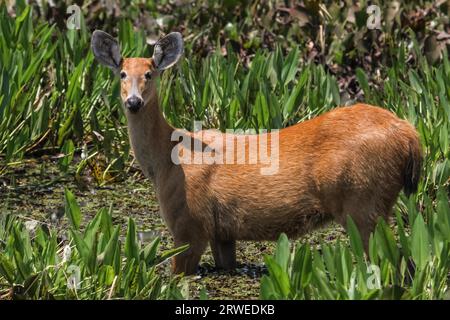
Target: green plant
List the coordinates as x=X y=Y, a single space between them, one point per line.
x=413 y=265
x=51 y=92
x=91 y=264
x=260 y=66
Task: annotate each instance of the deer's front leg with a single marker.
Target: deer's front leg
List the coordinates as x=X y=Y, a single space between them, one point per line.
x=187 y=261
x=188 y=231
x=224 y=253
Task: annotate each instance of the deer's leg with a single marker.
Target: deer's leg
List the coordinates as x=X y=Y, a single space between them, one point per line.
x=187 y=261
x=187 y=231
x=224 y=253
x=365 y=228
x=365 y=215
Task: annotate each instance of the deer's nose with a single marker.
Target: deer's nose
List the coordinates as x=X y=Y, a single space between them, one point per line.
x=134 y=103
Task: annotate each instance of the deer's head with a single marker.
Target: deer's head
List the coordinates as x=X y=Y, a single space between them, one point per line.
x=137 y=75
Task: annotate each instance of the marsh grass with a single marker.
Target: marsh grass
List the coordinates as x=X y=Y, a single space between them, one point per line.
x=57 y=102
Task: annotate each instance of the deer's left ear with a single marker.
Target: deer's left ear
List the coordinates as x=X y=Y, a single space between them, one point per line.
x=106 y=50
x=168 y=51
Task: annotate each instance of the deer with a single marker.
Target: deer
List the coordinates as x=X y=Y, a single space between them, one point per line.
x=352 y=161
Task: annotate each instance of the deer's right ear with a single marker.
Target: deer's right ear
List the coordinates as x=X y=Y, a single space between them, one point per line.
x=106 y=50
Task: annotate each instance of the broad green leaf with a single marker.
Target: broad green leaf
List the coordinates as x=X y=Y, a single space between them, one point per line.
x=111 y=247
x=278 y=276
x=363 y=82
x=387 y=246
x=355 y=239
x=131 y=246
x=92 y=228
x=282 y=253
x=81 y=246
x=167 y=254
x=420 y=247
x=402 y=236
x=7 y=269
x=267 y=291
x=72 y=209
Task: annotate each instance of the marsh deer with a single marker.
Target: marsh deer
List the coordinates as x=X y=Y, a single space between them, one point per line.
x=352 y=161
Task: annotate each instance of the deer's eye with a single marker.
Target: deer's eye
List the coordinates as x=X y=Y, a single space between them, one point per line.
x=123 y=75
x=148 y=75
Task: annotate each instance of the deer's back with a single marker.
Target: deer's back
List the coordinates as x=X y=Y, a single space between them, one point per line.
x=350 y=151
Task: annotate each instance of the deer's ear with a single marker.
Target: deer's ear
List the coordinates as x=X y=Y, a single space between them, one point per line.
x=106 y=49
x=168 y=50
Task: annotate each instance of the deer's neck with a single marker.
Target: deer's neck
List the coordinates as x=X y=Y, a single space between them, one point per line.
x=150 y=137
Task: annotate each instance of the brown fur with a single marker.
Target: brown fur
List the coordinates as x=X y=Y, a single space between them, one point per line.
x=350 y=161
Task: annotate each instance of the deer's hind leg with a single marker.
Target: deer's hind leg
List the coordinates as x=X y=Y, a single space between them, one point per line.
x=365 y=213
x=224 y=253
